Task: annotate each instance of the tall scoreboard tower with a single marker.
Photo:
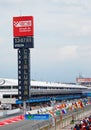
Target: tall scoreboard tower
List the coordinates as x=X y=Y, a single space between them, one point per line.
x=23 y=39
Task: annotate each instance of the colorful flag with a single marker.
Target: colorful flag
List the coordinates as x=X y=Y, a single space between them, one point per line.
x=64 y=111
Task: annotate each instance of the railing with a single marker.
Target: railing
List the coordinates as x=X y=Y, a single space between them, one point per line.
x=59 y=124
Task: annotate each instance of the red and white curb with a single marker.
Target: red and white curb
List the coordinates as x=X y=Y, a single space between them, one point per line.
x=11 y=120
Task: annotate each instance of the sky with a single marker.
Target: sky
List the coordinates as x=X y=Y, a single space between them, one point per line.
x=62 y=39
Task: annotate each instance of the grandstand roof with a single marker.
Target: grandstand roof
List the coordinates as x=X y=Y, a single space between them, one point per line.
x=14 y=82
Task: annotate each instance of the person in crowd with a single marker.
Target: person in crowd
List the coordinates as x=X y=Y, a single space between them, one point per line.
x=84 y=124
x=76 y=127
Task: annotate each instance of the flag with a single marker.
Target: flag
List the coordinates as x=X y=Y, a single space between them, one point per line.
x=51 y=113
x=58 y=112
x=75 y=105
x=80 y=104
x=64 y=111
x=63 y=105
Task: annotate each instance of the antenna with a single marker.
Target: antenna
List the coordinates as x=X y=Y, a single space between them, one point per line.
x=80 y=75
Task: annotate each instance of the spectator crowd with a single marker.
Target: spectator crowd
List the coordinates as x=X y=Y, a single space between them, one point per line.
x=84 y=124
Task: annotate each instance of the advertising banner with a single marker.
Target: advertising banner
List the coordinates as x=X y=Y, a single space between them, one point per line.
x=37 y=116
x=23 y=26
x=23 y=32
x=23 y=42
x=80 y=80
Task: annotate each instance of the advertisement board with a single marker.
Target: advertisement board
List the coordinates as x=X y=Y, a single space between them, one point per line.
x=23 y=42
x=23 y=26
x=82 y=80
x=23 y=32
x=37 y=116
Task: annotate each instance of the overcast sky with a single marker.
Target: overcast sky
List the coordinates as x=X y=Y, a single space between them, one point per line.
x=62 y=38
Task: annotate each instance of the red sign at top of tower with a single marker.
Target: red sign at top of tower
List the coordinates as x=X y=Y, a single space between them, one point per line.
x=23 y=26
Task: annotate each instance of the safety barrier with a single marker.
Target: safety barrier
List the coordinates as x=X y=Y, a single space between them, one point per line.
x=4 y=113
x=53 y=124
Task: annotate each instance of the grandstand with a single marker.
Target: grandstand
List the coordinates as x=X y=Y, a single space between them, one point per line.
x=41 y=91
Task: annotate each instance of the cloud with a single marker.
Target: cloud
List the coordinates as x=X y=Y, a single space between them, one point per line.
x=62 y=32
x=56 y=55
x=64 y=54
x=84 y=52
x=74 y=53
x=67 y=52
